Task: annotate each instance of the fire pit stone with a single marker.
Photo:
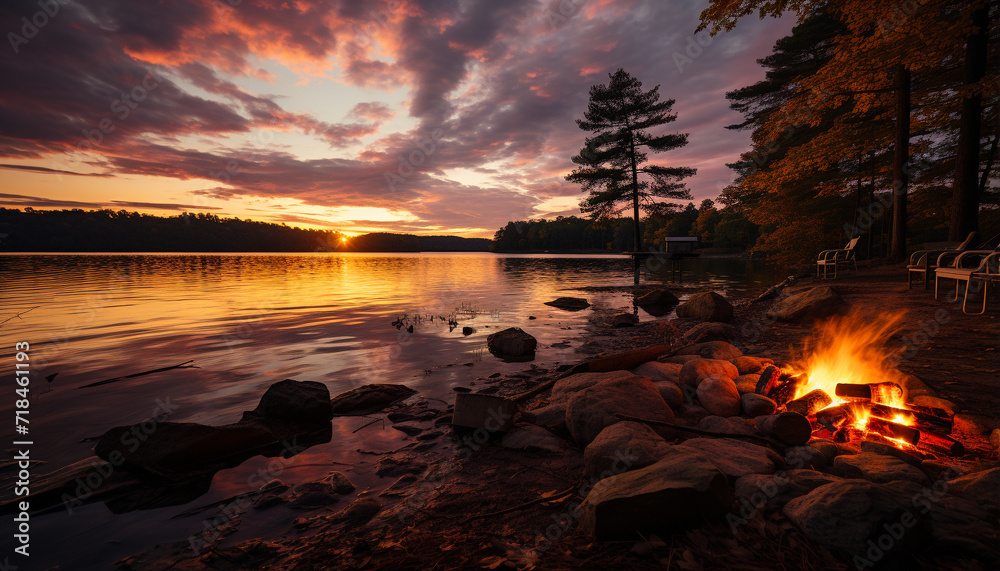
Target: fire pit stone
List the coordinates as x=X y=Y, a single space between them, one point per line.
x=719 y=396
x=749 y=365
x=747 y=383
x=755 y=404
x=692 y=373
x=712 y=350
x=877 y=468
x=735 y=457
x=633 y=441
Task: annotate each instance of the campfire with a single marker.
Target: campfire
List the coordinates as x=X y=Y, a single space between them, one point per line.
x=845 y=383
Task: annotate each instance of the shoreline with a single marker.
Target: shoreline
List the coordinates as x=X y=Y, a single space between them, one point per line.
x=486 y=504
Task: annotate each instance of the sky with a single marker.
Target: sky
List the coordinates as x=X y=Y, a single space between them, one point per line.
x=418 y=116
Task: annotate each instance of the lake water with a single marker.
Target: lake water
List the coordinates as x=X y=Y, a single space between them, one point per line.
x=250 y=320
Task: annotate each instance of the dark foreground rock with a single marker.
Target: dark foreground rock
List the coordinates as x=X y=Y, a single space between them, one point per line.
x=679 y=491
x=511 y=343
x=593 y=409
x=809 y=305
x=367 y=399
x=706 y=306
x=622 y=447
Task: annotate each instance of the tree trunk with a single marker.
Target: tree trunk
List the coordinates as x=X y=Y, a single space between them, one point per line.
x=897 y=247
x=637 y=242
x=965 y=190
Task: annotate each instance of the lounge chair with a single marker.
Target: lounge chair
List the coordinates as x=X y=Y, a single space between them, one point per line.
x=836 y=258
x=922 y=261
x=987 y=274
x=969 y=266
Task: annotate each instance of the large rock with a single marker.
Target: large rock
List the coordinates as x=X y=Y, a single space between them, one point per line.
x=706 y=306
x=534 y=439
x=554 y=413
x=569 y=303
x=623 y=320
x=367 y=399
x=711 y=331
x=757 y=405
x=736 y=457
x=877 y=468
x=511 y=343
x=622 y=447
x=747 y=383
x=846 y=514
x=671 y=393
x=678 y=491
x=657 y=371
x=657 y=303
x=804 y=307
x=727 y=424
x=293 y=402
x=712 y=350
x=694 y=371
x=719 y=396
x=593 y=409
x=180 y=446
x=750 y=365
x=772 y=491
x=980 y=487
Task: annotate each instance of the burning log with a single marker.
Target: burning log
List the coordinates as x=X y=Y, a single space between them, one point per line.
x=835 y=415
x=768 y=380
x=942 y=444
x=790 y=428
x=786 y=390
x=877 y=392
x=939 y=413
x=810 y=403
x=894 y=430
x=923 y=419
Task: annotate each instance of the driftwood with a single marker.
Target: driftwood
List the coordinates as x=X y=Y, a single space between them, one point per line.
x=184 y=365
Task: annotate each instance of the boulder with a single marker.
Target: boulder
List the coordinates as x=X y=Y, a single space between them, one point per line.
x=671 y=393
x=293 y=402
x=657 y=371
x=694 y=371
x=622 y=447
x=772 y=491
x=719 y=396
x=623 y=320
x=534 y=439
x=368 y=399
x=732 y=424
x=593 y=409
x=554 y=413
x=828 y=449
x=747 y=383
x=757 y=405
x=805 y=457
x=807 y=306
x=980 y=487
x=735 y=457
x=706 y=306
x=657 y=296
x=846 y=514
x=468 y=330
x=711 y=331
x=511 y=343
x=569 y=303
x=691 y=413
x=180 y=446
x=712 y=350
x=877 y=468
x=678 y=491
x=750 y=365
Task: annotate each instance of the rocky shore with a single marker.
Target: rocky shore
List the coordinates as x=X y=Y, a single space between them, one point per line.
x=652 y=451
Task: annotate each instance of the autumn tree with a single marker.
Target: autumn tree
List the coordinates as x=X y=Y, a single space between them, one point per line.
x=882 y=46
x=613 y=162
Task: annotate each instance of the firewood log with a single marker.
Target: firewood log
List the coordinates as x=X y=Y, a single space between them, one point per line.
x=790 y=428
x=894 y=430
x=877 y=392
x=810 y=403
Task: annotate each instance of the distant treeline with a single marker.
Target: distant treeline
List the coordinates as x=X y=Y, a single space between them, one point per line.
x=388 y=242
x=122 y=231
x=723 y=230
